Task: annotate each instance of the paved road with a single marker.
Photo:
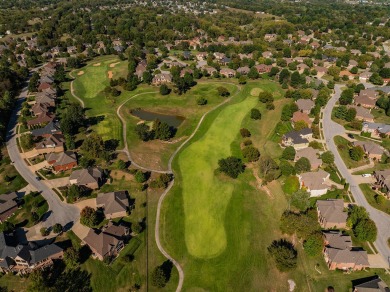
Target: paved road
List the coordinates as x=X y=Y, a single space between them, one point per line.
x=59 y=212
x=382 y=220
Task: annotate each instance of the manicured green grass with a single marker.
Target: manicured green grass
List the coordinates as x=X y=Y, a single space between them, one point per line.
x=378 y=166
x=380 y=116
x=370 y=194
x=205 y=196
x=343 y=146
x=14 y=283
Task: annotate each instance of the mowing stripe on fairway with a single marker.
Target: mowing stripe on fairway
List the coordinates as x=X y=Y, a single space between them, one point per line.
x=205 y=196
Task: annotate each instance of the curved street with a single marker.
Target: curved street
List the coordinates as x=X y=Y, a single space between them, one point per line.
x=381 y=219
x=59 y=212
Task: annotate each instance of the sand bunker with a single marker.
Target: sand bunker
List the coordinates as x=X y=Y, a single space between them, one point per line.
x=256 y=91
x=112 y=65
x=97 y=64
x=110 y=74
x=80 y=73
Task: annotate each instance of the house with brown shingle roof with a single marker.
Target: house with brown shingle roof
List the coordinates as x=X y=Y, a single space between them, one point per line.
x=362 y=113
x=339 y=253
x=8 y=205
x=228 y=73
x=300 y=116
x=62 y=161
x=90 y=178
x=365 y=101
x=331 y=213
x=305 y=105
x=314 y=182
x=311 y=154
x=43 y=118
x=114 y=204
x=372 y=150
x=107 y=243
x=52 y=143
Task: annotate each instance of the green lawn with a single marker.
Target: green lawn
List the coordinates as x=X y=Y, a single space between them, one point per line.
x=380 y=116
x=6 y=168
x=383 y=204
x=343 y=146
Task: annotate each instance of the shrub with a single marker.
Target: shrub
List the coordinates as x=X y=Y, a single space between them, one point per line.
x=300 y=200
x=245 y=133
x=291 y=185
x=255 y=114
x=44 y=231
x=314 y=244
x=247 y=142
x=232 y=166
x=140 y=177
x=251 y=153
x=164 y=90
x=201 y=101
x=302 y=165
x=57 y=228
x=289 y=153
x=284 y=254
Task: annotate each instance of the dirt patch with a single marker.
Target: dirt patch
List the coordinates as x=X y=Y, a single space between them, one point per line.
x=148 y=154
x=256 y=91
x=112 y=65
x=109 y=74
x=96 y=64
x=80 y=73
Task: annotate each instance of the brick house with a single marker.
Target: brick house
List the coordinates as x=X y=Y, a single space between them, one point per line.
x=62 y=161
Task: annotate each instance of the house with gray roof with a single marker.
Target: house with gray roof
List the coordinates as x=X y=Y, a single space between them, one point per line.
x=22 y=258
x=114 y=204
x=376 y=129
x=8 y=205
x=372 y=284
x=362 y=113
x=51 y=128
x=297 y=139
x=331 y=213
x=340 y=255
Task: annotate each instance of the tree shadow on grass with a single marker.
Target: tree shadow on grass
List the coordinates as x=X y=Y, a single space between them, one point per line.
x=167 y=268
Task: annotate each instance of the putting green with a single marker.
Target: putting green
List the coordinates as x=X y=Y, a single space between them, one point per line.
x=205 y=196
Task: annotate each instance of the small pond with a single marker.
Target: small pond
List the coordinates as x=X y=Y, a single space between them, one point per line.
x=173 y=121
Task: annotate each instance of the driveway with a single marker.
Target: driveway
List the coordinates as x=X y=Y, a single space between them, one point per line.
x=57 y=182
x=381 y=219
x=38 y=166
x=59 y=212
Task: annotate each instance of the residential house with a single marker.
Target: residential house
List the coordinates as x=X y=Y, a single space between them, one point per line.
x=8 y=205
x=107 y=243
x=43 y=118
x=62 y=161
x=321 y=71
x=311 y=154
x=340 y=255
x=331 y=213
x=315 y=182
x=371 y=93
x=356 y=52
x=228 y=73
x=162 y=78
x=262 y=68
x=383 y=179
x=219 y=56
x=365 y=101
x=243 y=70
x=348 y=74
x=201 y=56
x=48 y=130
x=302 y=67
x=362 y=113
x=23 y=259
x=372 y=150
x=187 y=55
x=42 y=86
x=371 y=284
x=224 y=61
x=186 y=70
x=270 y=37
x=365 y=76
x=301 y=116
x=305 y=105
x=44 y=98
x=267 y=54
x=297 y=139
x=114 y=204
x=52 y=143
x=90 y=178
x=376 y=129
x=140 y=69
x=40 y=108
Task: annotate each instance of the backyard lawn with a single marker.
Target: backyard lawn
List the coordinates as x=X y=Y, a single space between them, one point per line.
x=343 y=146
x=8 y=170
x=374 y=199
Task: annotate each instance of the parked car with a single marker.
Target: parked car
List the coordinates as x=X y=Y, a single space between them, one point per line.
x=366 y=175
x=351 y=136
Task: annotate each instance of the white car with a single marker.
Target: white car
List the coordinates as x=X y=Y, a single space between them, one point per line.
x=366 y=175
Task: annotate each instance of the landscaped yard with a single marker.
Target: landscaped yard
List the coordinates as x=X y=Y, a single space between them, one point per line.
x=375 y=199
x=343 y=146
x=8 y=170
x=380 y=116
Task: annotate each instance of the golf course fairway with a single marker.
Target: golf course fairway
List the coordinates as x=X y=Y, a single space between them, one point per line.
x=205 y=196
